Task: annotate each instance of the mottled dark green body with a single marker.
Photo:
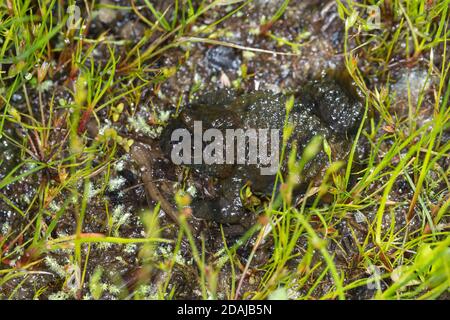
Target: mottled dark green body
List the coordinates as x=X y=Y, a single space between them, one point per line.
x=324 y=108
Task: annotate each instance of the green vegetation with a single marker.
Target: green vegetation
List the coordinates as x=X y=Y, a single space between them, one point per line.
x=68 y=80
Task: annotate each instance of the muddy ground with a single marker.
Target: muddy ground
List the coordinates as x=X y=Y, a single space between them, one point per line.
x=316 y=30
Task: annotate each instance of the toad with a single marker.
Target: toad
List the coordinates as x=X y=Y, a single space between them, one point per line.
x=327 y=108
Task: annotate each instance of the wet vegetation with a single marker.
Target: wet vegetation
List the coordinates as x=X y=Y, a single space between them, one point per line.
x=91 y=207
